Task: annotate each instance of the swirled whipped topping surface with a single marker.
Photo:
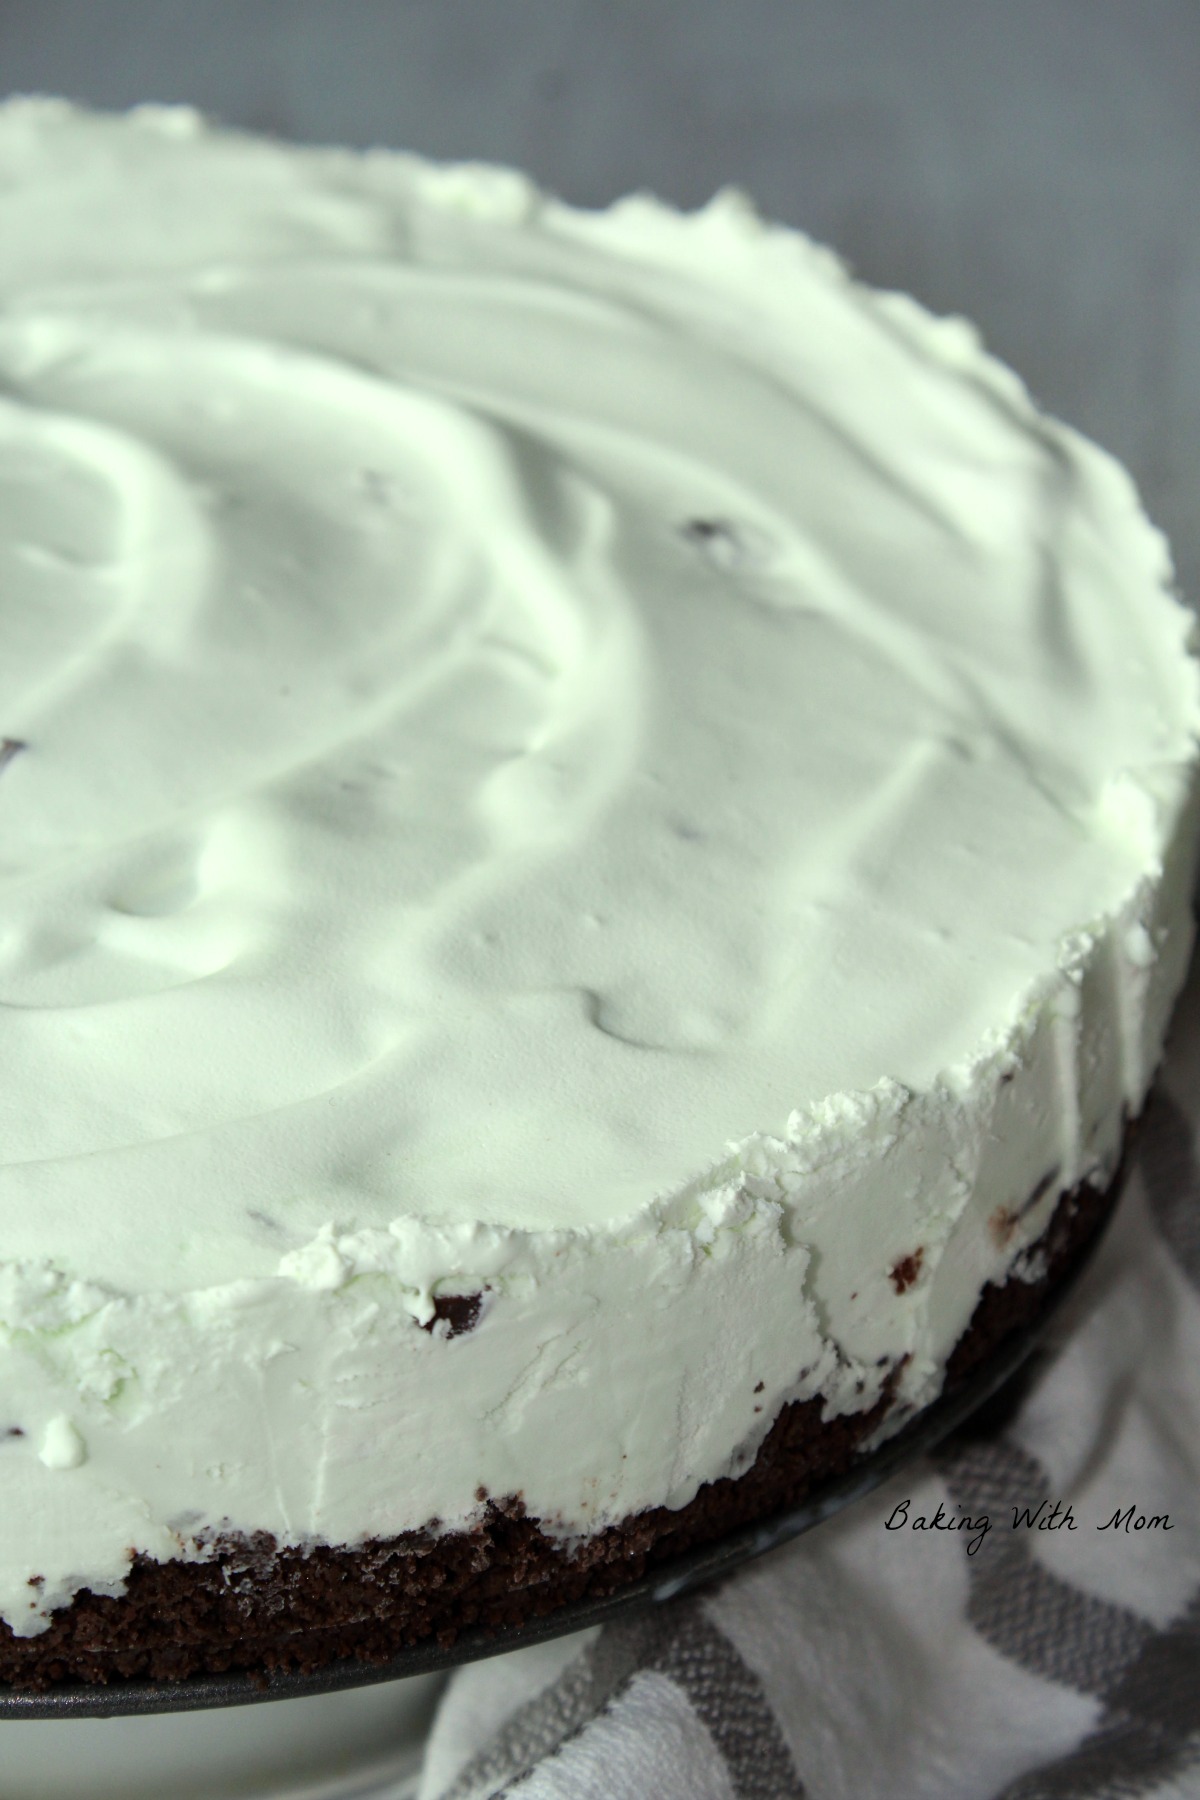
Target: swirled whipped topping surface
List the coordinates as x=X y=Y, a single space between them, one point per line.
x=502 y=702
x=585 y=759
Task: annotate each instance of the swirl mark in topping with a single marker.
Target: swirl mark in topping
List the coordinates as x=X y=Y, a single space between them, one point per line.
x=339 y=623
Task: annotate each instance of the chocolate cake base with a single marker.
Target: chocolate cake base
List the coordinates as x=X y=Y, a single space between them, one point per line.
x=255 y=1607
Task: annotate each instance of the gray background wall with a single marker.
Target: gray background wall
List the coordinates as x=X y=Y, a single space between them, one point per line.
x=1034 y=163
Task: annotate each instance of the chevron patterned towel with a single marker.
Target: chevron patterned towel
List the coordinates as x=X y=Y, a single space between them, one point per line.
x=1051 y=1654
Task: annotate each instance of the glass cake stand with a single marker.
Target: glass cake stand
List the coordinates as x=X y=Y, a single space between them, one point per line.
x=354 y=1730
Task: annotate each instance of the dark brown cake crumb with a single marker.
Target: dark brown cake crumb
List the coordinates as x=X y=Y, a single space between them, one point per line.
x=459 y=1312
x=907 y=1268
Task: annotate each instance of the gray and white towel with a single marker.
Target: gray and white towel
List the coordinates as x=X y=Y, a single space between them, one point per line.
x=1053 y=1655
